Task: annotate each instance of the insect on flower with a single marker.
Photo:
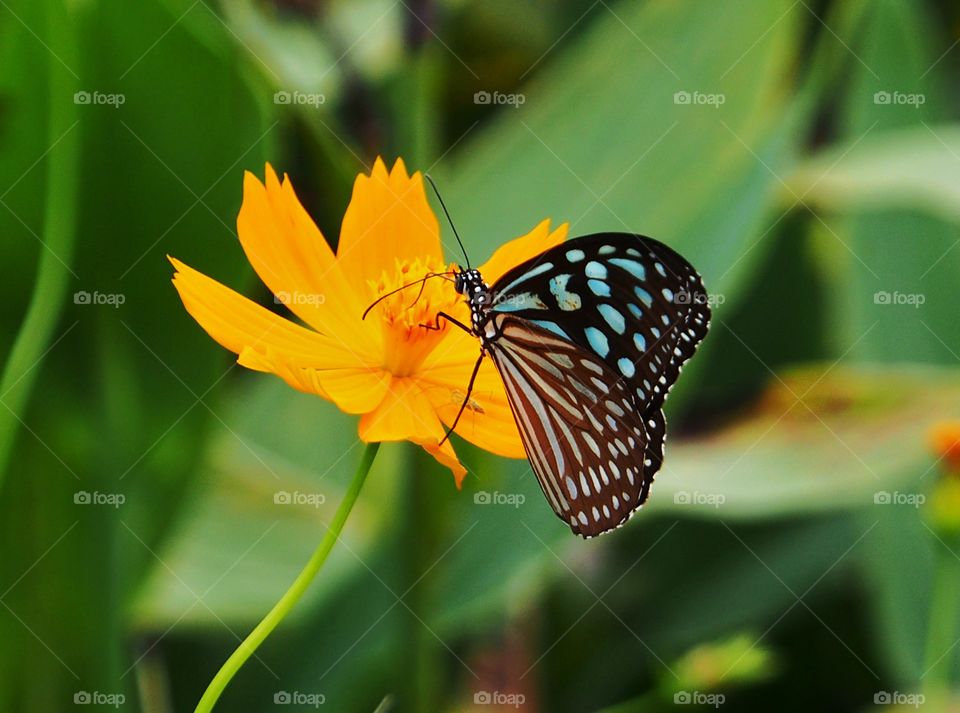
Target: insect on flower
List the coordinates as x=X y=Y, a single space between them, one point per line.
x=585 y=337
x=588 y=336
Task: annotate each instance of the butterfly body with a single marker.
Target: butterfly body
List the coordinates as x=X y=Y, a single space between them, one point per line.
x=588 y=337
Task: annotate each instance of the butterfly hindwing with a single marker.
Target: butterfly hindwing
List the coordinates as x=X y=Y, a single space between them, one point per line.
x=579 y=423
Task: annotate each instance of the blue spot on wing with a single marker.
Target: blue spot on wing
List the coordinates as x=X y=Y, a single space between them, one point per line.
x=613 y=318
x=595 y=270
x=551 y=327
x=599 y=288
x=538 y=270
x=632 y=266
x=598 y=341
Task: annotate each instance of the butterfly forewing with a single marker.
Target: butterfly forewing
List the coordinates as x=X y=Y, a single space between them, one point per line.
x=636 y=306
x=579 y=424
x=631 y=300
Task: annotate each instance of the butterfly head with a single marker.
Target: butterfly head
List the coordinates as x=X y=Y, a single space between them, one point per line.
x=470 y=284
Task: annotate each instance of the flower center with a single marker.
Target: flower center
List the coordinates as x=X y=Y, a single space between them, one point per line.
x=406 y=342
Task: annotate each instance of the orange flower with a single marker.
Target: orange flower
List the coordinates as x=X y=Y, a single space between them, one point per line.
x=407 y=382
x=945 y=440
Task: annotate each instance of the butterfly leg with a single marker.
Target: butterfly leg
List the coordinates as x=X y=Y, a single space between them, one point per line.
x=436 y=324
x=466 y=399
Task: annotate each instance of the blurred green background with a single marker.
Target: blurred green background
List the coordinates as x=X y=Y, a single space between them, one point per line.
x=800 y=548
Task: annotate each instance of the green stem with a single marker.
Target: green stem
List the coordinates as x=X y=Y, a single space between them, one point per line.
x=294 y=593
x=59 y=223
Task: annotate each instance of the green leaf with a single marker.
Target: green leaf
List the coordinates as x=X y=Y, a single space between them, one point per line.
x=626 y=153
x=850 y=433
x=892 y=175
x=912 y=168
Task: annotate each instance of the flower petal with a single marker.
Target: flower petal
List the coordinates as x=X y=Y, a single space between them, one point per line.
x=388 y=218
x=487 y=421
x=236 y=322
x=264 y=341
x=292 y=258
x=446 y=456
x=406 y=414
x=521 y=249
x=353 y=390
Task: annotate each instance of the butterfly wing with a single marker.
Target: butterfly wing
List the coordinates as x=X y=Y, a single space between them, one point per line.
x=628 y=299
x=579 y=424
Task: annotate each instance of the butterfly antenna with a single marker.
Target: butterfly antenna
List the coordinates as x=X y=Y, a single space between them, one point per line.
x=422 y=282
x=449 y=219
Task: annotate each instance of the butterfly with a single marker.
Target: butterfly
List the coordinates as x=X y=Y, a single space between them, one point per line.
x=588 y=337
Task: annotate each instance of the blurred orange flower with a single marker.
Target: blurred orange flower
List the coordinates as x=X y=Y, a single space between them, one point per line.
x=945 y=440
x=407 y=382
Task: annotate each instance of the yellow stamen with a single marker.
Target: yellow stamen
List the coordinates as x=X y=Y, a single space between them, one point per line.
x=404 y=315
